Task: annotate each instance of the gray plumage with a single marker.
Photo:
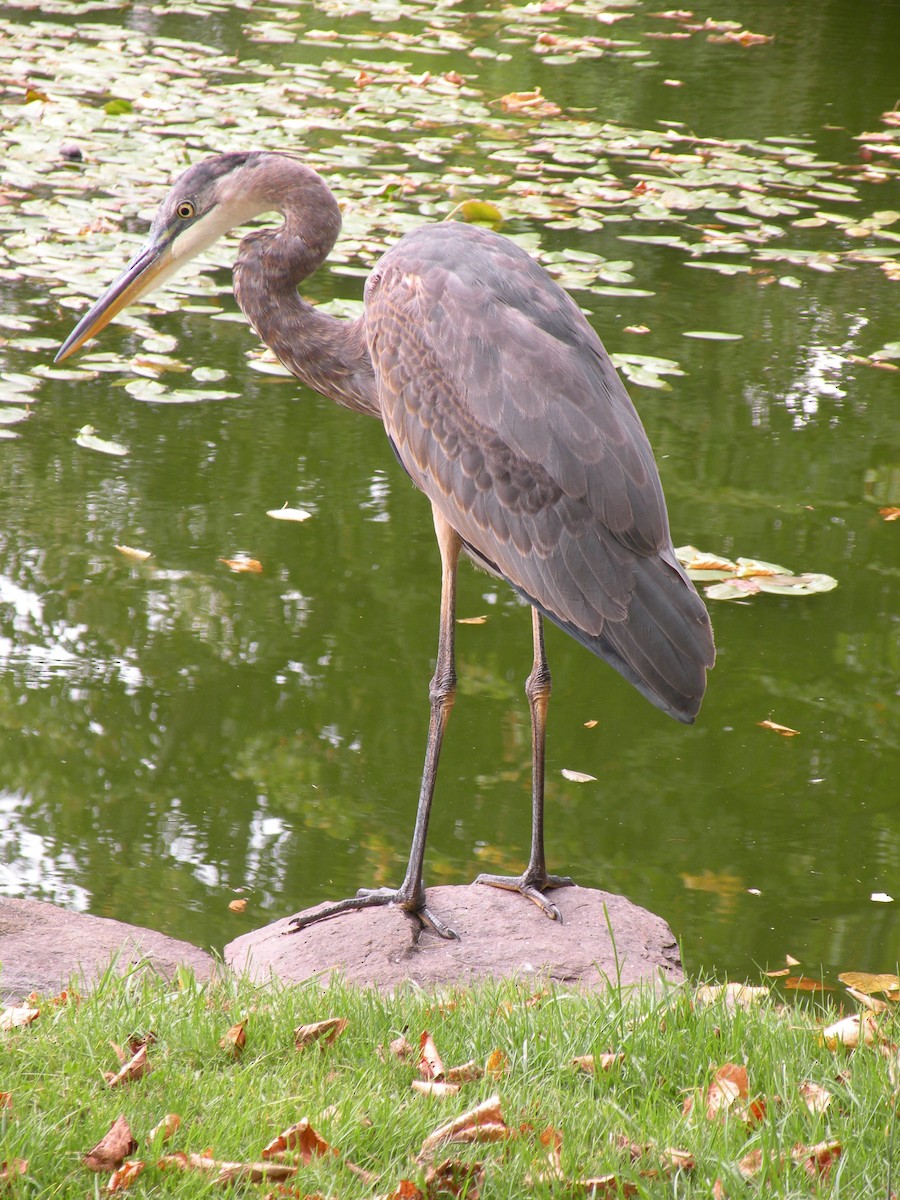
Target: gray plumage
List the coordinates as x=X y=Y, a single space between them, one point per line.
x=502 y=406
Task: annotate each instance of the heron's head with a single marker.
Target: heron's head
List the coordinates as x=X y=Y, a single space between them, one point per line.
x=205 y=202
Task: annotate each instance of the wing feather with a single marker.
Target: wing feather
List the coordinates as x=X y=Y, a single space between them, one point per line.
x=505 y=409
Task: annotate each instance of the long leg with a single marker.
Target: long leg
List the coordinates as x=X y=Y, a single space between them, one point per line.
x=535 y=880
x=410 y=895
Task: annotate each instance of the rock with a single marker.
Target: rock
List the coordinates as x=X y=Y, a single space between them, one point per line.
x=43 y=947
x=502 y=935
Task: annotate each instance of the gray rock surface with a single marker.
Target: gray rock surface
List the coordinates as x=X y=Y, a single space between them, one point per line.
x=502 y=935
x=42 y=947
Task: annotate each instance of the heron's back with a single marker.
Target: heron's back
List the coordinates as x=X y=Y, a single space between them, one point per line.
x=504 y=408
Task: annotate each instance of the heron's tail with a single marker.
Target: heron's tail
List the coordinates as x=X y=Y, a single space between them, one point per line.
x=664 y=647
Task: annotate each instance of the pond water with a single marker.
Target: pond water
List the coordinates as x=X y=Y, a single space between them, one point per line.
x=175 y=735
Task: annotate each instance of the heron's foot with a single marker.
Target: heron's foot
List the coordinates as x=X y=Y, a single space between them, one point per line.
x=414 y=905
x=531 y=885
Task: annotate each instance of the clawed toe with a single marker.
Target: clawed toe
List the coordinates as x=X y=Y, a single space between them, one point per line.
x=375 y=898
x=532 y=887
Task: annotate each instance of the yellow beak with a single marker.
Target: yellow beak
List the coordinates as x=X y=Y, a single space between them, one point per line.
x=153 y=264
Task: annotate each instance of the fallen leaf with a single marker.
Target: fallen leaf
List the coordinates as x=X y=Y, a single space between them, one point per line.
x=532 y=103
x=112 y=1150
x=136 y=555
x=497 y=1064
x=454 y=1178
x=733 y=995
x=228 y=1172
x=166 y=1128
x=402 y=1049
x=434 y=1087
x=484 y=1123
x=324 y=1032
x=817 y=1160
x=729 y=1085
x=465 y=1073
x=430 y=1064
x=784 y=730
x=17 y=1016
x=862 y=981
x=135 y=1068
x=815 y=1097
x=237 y=905
x=241 y=565
x=235 y=1039
x=125 y=1175
x=889 y=514
x=602 y=1062
x=288 y=514
x=870 y=1002
x=12 y=1168
x=300 y=1138
x=591 y=724
x=804 y=983
x=860 y=1029
x=87 y=437
x=577 y=776
x=471 y=620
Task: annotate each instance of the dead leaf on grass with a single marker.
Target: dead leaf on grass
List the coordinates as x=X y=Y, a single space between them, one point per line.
x=235 y=1040
x=166 y=1128
x=860 y=1029
x=733 y=995
x=18 y=1015
x=483 y=1123
x=815 y=1097
x=465 y=1072
x=135 y=1068
x=434 y=1087
x=599 y=1062
x=817 y=1160
x=112 y=1150
x=125 y=1175
x=430 y=1064
x=300 y=1139
x=228 y=1172
x=323 y=1032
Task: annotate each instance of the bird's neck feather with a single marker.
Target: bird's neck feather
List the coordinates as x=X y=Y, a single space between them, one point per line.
x=328 y=354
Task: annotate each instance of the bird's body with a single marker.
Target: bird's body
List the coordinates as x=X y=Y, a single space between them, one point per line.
x=502 y=406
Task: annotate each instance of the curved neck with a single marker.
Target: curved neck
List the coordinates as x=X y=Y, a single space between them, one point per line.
x=328 y=354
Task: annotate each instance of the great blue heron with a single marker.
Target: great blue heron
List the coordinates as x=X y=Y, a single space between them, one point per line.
x=502 y=406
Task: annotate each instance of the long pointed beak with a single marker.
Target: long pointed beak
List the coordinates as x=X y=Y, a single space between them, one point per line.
x=154 y=263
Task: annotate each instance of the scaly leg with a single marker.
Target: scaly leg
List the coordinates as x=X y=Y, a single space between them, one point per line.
x=410 y=895
x=535 y=880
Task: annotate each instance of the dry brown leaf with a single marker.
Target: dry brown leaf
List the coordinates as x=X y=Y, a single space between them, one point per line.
x=112 y=1150
x=817 y=1160
x=125 y=1175
x=300 y=1139
x=465 y=1073
x=862 y=981
x=133 y=554
x=434 y=1087
x=6 y=1100
x=246 y=566
x=889 y=514
x=870 y=1002
x=228 y=1172
x=237 y=905
x=734 y=995
x=471 y=620
x=497 y=1064
x=591 y=724
x=728 y=1086
x=135 y=1068
x=718 y=1192
x=815 y=1097
x=12 y=1168
x=18 y=1015
x=552 y=1139
x=430 y=1064
x=402 y=1049
x=783 y=730
x=405 y=1190
x=602 y=1062
x=323 y=1032
x=804 y=983
x=235 y=1039
x=533 y=103
x=483 y=1123
x=166 y=1128
x=860 y=1029
x=454 y=1178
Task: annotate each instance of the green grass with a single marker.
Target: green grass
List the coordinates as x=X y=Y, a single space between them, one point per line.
x=359 y=1098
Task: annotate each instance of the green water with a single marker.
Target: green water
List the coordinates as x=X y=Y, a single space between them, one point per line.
x=172 y=732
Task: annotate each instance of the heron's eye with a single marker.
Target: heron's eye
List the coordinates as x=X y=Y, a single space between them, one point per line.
x=185 y=210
